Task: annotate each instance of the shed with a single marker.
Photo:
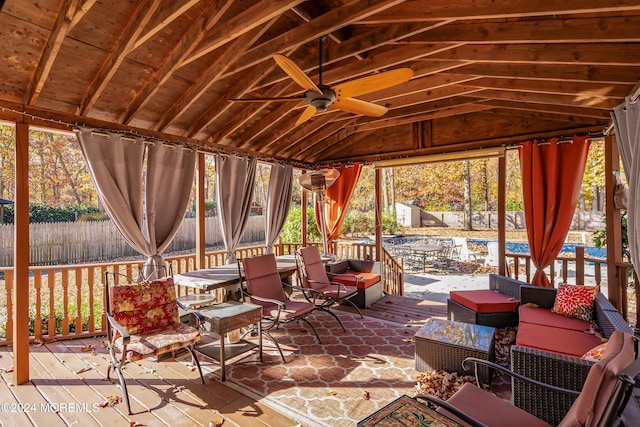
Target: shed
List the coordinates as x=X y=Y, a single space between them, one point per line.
x=408 y=215
x=2 y=203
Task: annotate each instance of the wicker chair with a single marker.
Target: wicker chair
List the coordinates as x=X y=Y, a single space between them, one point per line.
x=264 y=287
x=600 y=403
x=143 y=322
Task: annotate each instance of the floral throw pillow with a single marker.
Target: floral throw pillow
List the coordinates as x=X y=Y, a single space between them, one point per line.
x=595 y=353
x=575 y=301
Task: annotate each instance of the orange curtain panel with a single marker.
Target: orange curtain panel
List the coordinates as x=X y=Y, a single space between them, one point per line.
x=552 y=174
x=337 y=199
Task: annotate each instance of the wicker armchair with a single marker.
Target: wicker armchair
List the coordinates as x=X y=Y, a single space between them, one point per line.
x=558 y=370
x=600 y=403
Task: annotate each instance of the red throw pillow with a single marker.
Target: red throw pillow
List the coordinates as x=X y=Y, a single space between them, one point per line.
x=575 y=301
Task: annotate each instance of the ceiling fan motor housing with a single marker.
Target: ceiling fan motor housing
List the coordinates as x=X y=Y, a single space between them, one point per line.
x=323 y=100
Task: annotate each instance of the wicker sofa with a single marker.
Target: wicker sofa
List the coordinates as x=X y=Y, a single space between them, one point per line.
x=363 y=274
x=561 y=370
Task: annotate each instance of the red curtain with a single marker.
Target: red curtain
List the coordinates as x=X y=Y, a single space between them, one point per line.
x=337 y=199
x=551 y=179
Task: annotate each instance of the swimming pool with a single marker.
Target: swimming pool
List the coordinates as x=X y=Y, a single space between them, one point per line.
x=523 y=248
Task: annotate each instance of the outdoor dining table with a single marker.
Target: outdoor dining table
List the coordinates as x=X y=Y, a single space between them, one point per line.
x=427 y=252
x=212 y=278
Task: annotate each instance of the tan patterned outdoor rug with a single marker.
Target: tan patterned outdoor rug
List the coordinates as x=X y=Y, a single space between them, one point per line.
x=336 y=383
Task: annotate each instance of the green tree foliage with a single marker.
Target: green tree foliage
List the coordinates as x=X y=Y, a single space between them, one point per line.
x=291 y=232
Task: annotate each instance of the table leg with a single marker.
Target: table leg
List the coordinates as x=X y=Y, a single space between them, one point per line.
x=222 y=370
x=260 y=340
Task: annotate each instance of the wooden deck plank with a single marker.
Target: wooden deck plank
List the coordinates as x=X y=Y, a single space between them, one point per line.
x=63 y=367
x=407 y=311
x=48 y=385
x=12 y=418
x=96 y=378
x=28 y=394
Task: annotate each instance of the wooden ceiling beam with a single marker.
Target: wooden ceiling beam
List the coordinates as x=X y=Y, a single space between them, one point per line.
x=573 y=73
x=427 y=115
x=577 y=89
x=240 y=119
x=80 y=12
x=618 y=54
x=171 y=63
x=429 y=10
x=603 y=29
x=140 y=18
x=592 y=113
x=544 y=98
x=327 y=135
x=165 y=16
x=331 y=145
x=312 y=30
x=211 y=74
x=578 y=120
x=288 y=136
x=256 y=15
x=50 y=52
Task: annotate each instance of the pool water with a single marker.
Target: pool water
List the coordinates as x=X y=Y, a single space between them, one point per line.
x=523 y=248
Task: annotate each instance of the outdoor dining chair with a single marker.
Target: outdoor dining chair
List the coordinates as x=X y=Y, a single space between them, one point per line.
x=318 y=288
x=264 y=287
x=604 y=395
x=143 y=321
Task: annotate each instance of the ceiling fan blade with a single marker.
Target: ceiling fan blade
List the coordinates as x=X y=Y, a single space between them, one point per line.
x=276 y=98
x=358 y=106
x=306 y=114
x=293 y=71
x=373 y=83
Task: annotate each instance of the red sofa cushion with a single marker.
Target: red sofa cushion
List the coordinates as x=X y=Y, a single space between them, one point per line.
x=544 y=316
x=485 y=301
x=555 y=340
x=349 y=279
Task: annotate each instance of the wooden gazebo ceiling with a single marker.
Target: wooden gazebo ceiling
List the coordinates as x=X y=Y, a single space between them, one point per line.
x=487 y=72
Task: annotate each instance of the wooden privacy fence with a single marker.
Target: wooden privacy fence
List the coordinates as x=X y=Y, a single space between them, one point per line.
x=67 y=301
x=62 y=243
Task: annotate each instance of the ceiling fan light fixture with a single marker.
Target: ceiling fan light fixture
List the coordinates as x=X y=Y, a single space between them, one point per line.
x=321 y=101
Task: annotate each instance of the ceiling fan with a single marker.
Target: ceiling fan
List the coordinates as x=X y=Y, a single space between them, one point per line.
x=321 y=97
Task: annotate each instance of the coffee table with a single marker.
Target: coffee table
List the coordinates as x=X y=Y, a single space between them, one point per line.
x=444 y=344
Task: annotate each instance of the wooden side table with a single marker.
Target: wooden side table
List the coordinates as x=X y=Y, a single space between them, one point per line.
x=223 y=318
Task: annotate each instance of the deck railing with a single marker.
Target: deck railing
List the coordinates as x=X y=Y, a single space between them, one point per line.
x=67 y=301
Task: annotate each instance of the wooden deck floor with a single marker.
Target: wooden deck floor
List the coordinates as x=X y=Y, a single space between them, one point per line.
x=68 y=382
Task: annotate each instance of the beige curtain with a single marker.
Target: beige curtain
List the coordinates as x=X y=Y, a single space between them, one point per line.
x=147 y=204
x=626 y=119
x=278 y=202
x=235 y=178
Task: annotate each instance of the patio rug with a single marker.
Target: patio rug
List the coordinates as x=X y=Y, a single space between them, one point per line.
x=337 y=383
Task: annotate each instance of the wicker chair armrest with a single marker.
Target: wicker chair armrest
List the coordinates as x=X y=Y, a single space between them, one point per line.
x=561 y=371
x=434 y=401
x=543 y=297
x=475 y=361
x=337 y=267
x=361 y=265
x=123 y=332
x=505 y=285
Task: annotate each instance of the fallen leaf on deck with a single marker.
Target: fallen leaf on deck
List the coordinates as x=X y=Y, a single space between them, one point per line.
x=216 y=422
x=367 y=396
x=86 y=349
x=135 y=424
x=407 y=339
x=111 y=401
x=83 y=369
x=332 y=393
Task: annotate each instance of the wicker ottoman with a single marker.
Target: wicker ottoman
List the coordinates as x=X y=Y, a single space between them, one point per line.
x=444 y=344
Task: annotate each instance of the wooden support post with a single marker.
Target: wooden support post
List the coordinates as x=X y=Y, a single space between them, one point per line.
x=579 y=265
x=303 y=202
x=21 y=257
x=502 y=212
x=378 y=207
x=613 y=226
x=201 y=245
